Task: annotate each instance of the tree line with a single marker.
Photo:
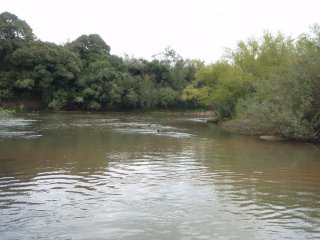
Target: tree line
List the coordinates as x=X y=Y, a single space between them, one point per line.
x=267 y=85
x=83 y=74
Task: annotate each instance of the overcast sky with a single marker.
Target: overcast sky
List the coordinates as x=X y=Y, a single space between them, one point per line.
x=194 y=28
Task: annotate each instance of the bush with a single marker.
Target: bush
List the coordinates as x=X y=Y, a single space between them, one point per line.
x=4 y=114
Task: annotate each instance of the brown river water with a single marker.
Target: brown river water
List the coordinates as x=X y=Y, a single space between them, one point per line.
x=145 y=176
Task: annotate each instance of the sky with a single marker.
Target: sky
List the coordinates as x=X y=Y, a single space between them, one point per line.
x=196 y=29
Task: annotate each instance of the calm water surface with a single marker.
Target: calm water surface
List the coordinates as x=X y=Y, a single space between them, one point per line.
x=139 y=176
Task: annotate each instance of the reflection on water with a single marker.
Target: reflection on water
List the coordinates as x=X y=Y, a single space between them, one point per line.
x=125 y=176
x=17 y=127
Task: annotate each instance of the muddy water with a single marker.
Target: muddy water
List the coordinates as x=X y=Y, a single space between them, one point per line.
x=142 y=176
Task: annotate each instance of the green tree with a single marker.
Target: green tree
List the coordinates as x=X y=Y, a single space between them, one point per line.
x=263 y=57
x=87 y=45
x=169 y=56
x=158 y=71
x=45 y=70
x=219 y=86
x=14 y=33
x=13 y=28
x=167 y=97
x=286 y=97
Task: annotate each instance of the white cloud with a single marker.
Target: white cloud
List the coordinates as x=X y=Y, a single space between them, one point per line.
x=195 y=28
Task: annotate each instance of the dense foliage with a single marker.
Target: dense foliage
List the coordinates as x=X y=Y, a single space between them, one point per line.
x=83 y=74
x=264 y=86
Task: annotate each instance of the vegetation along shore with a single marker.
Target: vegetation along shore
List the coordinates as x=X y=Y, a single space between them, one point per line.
x=267 y=86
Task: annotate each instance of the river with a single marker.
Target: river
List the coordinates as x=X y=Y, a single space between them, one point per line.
x=149 y=176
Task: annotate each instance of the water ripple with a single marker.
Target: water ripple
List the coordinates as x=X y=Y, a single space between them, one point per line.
x=18 y=127
x=124 y=180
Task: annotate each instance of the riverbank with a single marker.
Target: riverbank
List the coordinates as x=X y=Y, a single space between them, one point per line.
x=33 y=104
x=23 y=104
x=4 y=114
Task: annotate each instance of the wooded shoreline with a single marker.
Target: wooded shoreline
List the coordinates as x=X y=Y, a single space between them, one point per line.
x=265 y=86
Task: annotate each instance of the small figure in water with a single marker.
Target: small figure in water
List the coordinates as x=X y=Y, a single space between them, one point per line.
x=157 y=128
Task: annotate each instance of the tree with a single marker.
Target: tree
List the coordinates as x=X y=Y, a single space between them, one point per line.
x=219 y=86
x=135 y=66
x=169 y=56
x=83 y=73
x=167 y=97
x=86 y=45
x=14 y=33
x=285 y=100
x=13 y=28
x=263 y=57
x=45 y=70
x=158 y=71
